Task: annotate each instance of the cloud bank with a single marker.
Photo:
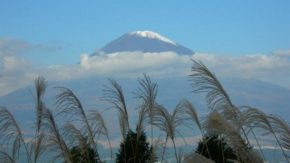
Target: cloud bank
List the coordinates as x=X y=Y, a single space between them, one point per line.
x=273 y=68
x=17 y=72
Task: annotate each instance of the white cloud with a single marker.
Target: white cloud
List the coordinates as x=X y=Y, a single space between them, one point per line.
x=125 y=63
x=10 y=47
x=271 y=68
x=11 y=63
x=282 y=53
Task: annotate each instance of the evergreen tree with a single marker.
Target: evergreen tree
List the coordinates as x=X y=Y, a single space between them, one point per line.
x=216 y=149
x=87 y=155
x=134 y=150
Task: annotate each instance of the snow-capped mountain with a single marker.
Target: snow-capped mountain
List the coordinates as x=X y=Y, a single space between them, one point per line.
x=270 y=98
x=144 y=41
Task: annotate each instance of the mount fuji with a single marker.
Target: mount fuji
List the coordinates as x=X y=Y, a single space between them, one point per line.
x=144 y=41
x=271 y=98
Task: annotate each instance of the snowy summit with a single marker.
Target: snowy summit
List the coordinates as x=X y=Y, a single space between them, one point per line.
x=152 y=35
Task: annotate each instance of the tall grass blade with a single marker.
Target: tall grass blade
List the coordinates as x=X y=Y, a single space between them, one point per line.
x=11 y=132
x=114 y=95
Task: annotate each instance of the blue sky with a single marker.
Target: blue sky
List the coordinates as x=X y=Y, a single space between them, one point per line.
x=74 y=27
x=239 y=39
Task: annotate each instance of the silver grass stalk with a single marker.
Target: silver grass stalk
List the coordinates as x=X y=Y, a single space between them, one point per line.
x=55 y=142
x=68 y=103
x=282 y=128
x=147 y=92
x=140 y=123
x=285 y=139
x=99 y=127
x=36 y=147
x=279 y=125
x=11 y=132
x=215 y=124
x=164 y=145
x=258 y=143
x=40 y=86
x=259 y=119
x=191 y=115
x=114 y=95
x=5 y=157
x=204 y=81
x=168 y=123
x=196 y=158
x=77 y=139
x=157 y=143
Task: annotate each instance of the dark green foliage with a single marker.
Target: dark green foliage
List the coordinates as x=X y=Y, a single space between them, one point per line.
x=216 y=149
x=134 y=150
x=84 y=156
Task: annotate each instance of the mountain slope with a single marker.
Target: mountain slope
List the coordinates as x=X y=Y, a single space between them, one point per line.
x=268 y=97
x=144 y=41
